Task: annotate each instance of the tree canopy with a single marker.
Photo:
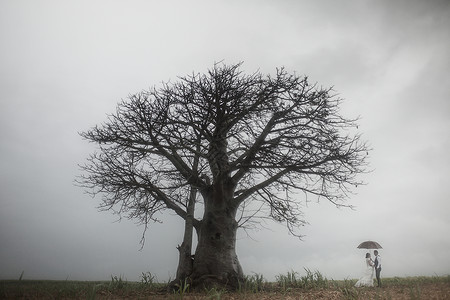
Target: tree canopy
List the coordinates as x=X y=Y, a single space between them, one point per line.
x=232 y=137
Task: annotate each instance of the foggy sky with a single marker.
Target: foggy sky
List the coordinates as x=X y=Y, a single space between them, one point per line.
x=66 y=64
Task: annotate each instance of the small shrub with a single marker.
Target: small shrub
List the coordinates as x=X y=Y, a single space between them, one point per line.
x=147 y=278
x=254 y=283
x=313 y=280
x=287 y=281
x=117 y=283
x=183 y=288
x=350 y=293
x=215 y=293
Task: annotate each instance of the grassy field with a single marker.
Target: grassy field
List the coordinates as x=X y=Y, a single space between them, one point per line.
x=287 y=286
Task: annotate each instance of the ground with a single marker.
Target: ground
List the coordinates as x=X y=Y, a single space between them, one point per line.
x=394 y=288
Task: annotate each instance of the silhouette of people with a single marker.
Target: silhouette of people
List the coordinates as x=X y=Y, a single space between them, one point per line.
x=377 y=264
x=367 y=278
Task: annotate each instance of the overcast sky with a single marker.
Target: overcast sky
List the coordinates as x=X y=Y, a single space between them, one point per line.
x=65 y=64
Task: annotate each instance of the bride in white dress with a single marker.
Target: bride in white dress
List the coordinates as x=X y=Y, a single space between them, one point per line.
x=367 y=279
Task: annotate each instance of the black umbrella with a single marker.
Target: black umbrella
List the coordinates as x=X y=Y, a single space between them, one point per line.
x=369 y=245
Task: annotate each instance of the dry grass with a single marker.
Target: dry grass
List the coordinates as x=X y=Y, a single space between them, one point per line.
x=290 y=286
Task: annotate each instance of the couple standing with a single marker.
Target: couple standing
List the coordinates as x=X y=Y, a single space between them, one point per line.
x=367 y=279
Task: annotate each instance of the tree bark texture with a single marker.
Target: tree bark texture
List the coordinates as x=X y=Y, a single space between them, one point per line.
x=216 y=261
x=215 y=257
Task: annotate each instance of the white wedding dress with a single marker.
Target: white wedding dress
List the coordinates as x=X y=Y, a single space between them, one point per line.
x=367 y=279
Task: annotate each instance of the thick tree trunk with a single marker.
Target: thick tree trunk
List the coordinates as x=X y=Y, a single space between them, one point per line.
x=216 y=262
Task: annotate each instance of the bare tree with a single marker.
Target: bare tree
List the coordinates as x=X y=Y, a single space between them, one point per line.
x=224 y=139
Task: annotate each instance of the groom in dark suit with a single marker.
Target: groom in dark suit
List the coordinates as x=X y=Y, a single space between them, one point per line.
x=377 y=267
